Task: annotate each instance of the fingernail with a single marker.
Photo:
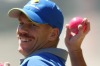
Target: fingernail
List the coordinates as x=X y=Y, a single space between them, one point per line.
x=84 y=19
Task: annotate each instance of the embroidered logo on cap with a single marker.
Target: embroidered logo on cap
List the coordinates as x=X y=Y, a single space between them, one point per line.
x=34 y=1
x=32 y=5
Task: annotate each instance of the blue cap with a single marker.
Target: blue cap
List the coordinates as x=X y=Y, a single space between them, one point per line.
x=42 y=12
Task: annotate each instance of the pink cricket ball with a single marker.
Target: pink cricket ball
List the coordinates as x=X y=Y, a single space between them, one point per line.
x=73 y=24
x=1 y=64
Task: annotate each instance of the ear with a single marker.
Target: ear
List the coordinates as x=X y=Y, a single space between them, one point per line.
x=54 y=34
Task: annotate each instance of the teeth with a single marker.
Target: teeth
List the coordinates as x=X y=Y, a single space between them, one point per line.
x=24 y=40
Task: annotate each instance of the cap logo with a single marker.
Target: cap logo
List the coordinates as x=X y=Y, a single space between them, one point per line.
x=34 y=1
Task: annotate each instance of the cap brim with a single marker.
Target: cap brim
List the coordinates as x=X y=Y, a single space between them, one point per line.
x=15 y=13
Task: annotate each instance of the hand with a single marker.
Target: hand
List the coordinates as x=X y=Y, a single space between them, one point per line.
x=5 y=64
x=74 y=41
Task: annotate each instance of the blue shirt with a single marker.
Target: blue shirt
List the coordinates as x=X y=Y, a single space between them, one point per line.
x=43 y=59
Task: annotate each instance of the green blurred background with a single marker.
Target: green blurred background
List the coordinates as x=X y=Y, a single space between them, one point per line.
x=70 y=9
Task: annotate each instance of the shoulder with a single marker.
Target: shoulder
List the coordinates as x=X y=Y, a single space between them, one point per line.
x=45 y=59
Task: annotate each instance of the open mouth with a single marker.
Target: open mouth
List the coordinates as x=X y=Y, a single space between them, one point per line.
x=25 y=39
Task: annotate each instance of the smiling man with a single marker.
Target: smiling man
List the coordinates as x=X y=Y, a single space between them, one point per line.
x=33 y=36
x=40 y=25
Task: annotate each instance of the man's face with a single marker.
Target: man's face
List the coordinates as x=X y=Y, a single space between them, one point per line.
x=31 y=36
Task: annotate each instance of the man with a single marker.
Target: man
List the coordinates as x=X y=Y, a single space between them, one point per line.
x=40 y=25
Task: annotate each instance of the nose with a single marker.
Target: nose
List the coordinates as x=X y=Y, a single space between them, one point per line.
x=22 y=30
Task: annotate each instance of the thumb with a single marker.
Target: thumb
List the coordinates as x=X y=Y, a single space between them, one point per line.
x=6 y=64
x=68 y=32
x=80 y=28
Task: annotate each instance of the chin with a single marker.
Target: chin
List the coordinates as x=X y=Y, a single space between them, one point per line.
x=22 y=51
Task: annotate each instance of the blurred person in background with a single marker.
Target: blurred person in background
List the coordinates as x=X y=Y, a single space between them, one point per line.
x=40 y=25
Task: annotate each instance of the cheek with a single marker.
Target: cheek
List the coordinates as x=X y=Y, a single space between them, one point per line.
x=43 y=36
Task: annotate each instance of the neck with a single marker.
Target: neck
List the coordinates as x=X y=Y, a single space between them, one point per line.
x=49 y=44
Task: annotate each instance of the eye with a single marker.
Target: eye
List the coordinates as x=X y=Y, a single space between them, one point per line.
x=33 y=25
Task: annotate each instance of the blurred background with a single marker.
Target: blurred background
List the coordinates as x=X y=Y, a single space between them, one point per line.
x=70 y=9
